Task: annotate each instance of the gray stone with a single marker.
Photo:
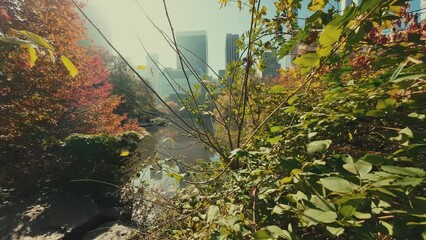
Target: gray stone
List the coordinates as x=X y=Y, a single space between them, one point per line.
x=109 y=231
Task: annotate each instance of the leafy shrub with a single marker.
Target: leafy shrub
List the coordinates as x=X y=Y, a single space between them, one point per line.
x=344 y=159
x=100 y=161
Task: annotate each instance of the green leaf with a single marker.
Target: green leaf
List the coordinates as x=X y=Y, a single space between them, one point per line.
x=360 y=215
x=407 y=132
x=336 y=184
x=318 y=146
x=398 y=70
x=375 y=113
x=328 y=38
x=312 y=134
x=374 y=159
x=412 y=172
x=416 y=223
x=347 y=159
x=308 y=60
x=388 y=227
x=37 y=39
x=274 y=140
x=418 y=116
x=409 y=181
x=277 y=89
x=212 y=213
x=408 y=78
x=280 y=209
x=322 y=203
x=386 y=104
x=348 y=198
x=292 y=99
x=70 y=66
x=262 y=234
x=314 y=216
x=348 y=209
x=335 y=231
x=275 y=231
x=359 y=168
x=276 y=129
x=33 y=55
x=367 y=6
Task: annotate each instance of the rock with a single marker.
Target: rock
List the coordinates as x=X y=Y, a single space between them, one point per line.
x=109 y=231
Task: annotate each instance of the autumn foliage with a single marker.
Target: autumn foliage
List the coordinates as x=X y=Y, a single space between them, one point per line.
x=42 y=104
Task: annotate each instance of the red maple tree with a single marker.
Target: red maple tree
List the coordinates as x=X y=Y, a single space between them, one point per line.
x=42 y=104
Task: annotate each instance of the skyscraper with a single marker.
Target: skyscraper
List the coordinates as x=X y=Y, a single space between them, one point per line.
x=193 y=46
x=423 y=10
x=152 y=71
x=271 y=67
x=231 y=49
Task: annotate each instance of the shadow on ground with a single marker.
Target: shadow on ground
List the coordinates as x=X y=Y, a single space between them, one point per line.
x=60 y=215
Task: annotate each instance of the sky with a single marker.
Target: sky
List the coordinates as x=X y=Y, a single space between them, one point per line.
x=122 y=21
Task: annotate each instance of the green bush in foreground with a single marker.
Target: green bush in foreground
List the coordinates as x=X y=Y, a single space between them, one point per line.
x=344 y=159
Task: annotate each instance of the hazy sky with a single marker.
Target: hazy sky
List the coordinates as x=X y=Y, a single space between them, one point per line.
x=121 y=20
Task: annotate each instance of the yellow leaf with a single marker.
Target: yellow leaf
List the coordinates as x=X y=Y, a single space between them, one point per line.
x=223 y=3
x=33 y=55
x=141 y=67
x=395 y=9
x=296 y=171
x=37 y=39
x=240 y=3
x=124 y=153
x=70 y=66
x=387 y=24
x=286 y=180
x=316 y=5
x=263 y=11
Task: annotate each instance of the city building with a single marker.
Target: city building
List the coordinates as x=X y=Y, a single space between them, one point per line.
x=422 y=10
x=231 y=50
x=271 y=65
x=221 y=73
x=193 y=46
x=152 y=73
x=170 y=80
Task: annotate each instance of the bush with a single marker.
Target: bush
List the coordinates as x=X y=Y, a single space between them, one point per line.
x=95 y=163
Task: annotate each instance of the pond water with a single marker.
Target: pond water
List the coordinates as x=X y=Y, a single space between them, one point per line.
x=173 y=145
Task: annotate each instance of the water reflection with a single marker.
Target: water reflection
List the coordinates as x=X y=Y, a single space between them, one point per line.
x=178 y=150
x=158 y=178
